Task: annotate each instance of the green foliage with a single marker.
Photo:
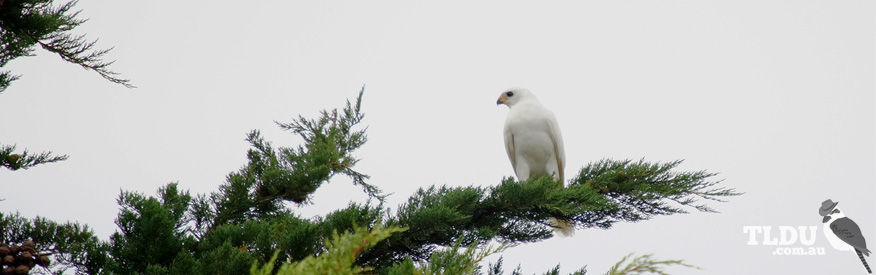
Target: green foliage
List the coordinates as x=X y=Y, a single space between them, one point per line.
x=633 y=191
x=643 y=264
x=556 y=271
x=27 y=23
x=152 y=230
x=518 y=211
x=453 y=260
x=25 y=159
x=644 y=189
x=72 y=246
x=224 y=259
x=342 y=251
x=496 y=269
x=246 y=220
x=329 y=143
x=339 y=256
x=276 y=175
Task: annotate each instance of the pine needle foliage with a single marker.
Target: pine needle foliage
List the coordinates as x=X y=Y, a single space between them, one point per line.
x=339 y=256
x=634 y=191
x=25 y=159
x=333 y=134
x=24 y=24
x=603 y=193
x=556 y=271
x=643 y=264
x=451 y=260
x=274 y=176
x=152 y=231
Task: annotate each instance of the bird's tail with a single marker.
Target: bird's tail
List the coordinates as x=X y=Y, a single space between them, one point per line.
x=861 y=256
x=563 y=227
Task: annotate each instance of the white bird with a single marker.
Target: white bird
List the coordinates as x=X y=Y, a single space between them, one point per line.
x=533 y=142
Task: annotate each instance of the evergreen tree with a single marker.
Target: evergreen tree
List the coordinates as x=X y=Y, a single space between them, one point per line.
x=246 y=225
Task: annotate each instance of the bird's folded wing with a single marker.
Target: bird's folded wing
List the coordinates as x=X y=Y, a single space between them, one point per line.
x=557 y=140
x=509 y=148
x=849 y=232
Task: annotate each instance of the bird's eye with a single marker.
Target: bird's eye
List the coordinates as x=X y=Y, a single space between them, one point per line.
x=509 y=93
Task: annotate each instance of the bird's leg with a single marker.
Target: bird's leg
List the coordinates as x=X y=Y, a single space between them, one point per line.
x=522 y=171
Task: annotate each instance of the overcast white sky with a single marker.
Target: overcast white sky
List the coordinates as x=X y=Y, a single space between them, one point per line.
x=777 y=96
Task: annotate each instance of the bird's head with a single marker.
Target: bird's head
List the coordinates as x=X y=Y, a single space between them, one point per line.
x=514 y=96
x=836 y=213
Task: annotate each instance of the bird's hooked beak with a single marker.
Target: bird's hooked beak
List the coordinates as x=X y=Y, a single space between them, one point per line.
x=826 y=218
x=500 y=101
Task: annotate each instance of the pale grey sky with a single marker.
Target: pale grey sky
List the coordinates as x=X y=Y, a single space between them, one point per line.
x=777 y=96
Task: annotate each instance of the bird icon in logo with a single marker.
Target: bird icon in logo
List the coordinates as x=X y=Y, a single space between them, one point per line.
x=843 y=233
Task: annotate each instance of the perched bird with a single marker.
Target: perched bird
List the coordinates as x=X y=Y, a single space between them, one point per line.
x=843 y=233
x=533 y=142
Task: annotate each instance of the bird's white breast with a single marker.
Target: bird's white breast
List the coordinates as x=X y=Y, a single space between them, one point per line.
x=528 y=124
x=531 y=138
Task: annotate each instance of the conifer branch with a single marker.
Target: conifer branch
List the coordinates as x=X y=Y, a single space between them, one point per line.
x=76 y=50
x=337 y=129
x=339 y=257
x=643 y=264
x=329 y=142
x=277 y=174
x=6 y=78
x=25 y=159
x=603 y=193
